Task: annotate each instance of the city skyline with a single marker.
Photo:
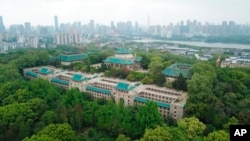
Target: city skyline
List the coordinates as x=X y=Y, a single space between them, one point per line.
x=161 y=12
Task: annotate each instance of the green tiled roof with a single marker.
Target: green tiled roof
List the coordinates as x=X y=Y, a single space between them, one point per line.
x=96 y=89
x=73 y=57
x=123 y=51
x=176 y=69
x=92 y=52
x=125 y=86
x=30 y=73
x=118 y=61
x=60 y=81
x=138 y=59
x=45 y=70
x=122 y=86
x=144 y=100
x=79 y=77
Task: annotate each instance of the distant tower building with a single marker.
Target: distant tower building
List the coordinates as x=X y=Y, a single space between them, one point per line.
x=188 y=22
x=182 y=23
x=112 y=25
x=148 y=21
x=1 y=24
x=33 y=42
x=91 y=25
x=1 y=38
x=129 y=27
x=68 y=39
x=27 y=28
x=136 y=27
x=56 y=23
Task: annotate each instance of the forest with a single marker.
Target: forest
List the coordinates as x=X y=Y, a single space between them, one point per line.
x=36 y=110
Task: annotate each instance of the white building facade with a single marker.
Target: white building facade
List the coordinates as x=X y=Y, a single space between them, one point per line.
x=170 y=102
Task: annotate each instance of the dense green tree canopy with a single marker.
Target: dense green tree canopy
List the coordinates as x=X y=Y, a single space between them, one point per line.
x=38 y=110
x=191 y=126
x=60 y=132
x=157 y=134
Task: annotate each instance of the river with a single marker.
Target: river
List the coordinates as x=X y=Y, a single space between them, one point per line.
x=199 y=44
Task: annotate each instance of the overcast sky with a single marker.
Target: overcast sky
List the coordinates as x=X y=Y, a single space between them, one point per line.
x=161 y=12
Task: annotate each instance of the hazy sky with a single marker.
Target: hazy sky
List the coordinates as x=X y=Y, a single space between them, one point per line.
x=161 y=12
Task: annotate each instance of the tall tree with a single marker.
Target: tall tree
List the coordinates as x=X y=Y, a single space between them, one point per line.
x=156 y=65
x=122 y=137
x=157 y=134
x=62 y=132
x=160 y=79
x=180 y=83
x=191 y=126
x=145 y=61
x=220 y=135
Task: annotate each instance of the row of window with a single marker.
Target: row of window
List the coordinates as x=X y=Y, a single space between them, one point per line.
x=61 y=85
x=103 y=86
x=110 y=81
x=98 y=95
x=63 y=78
x=156 y=97
x=163 y=91
x=122 y=91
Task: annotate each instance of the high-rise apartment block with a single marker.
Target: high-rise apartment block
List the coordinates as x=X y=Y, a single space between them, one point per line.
x=68 y=39
x=1 y=24
x=56 y=23
x=27 y=28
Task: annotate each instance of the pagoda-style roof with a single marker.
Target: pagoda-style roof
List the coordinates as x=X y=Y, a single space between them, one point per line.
x=45 y=71
x=176 y=69
x=79 y=77
x=73 y=57
x=123 y=51
x=116 y=60
x=124 y=86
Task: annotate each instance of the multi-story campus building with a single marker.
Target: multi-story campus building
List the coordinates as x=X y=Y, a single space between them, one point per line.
x=71 y=58
x=123 y=59
x=170 y=102
x=173 y=71
x=236 y=62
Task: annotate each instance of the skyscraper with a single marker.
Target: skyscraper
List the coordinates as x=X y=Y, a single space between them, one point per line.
x=136 y=27
x=112 y=25
x=91 y=26
x=56 y=23
x=1 y=24
x=27 y=28
x=148 y=21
